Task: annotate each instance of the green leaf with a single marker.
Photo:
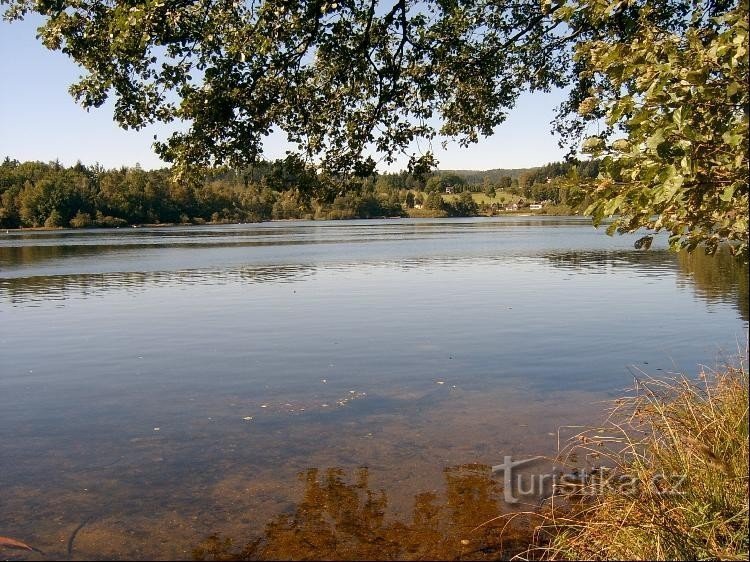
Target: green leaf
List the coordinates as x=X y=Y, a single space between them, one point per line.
x=655 y=140
x=728 y=193
x=733 y=139
x=612 y=206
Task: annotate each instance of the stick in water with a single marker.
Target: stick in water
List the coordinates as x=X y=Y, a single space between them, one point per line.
x=13 y=543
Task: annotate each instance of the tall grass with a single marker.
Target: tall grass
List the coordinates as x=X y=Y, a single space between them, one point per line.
x=671 y=481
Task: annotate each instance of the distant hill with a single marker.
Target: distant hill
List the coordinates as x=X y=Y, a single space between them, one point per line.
x=476 y=177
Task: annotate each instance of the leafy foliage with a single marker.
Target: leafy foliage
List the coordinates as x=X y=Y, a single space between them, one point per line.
x=674 y=102
x=337 y=77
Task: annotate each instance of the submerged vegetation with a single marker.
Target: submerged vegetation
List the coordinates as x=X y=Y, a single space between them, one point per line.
x=670 y=481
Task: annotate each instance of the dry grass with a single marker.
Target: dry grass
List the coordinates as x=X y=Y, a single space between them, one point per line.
x=667 y=478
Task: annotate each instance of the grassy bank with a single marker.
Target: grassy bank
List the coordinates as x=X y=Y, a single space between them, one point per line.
x=671 y=481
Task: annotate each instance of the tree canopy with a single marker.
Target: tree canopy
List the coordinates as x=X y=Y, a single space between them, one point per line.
x=663 y=83
x=338 y=78
x=674 y=137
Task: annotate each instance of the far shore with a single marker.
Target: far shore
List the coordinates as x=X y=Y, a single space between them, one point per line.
x=220 y=223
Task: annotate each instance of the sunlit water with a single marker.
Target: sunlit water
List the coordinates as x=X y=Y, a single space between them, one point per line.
x=336 y=388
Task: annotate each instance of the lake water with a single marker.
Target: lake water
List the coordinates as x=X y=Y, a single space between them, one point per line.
x=321 y=389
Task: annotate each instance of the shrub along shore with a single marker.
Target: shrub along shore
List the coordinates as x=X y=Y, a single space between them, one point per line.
x=672 y=480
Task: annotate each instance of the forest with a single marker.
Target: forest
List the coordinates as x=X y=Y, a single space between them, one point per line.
x=51 y=195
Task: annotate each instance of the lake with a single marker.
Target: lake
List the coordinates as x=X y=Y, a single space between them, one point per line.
x=321 y=389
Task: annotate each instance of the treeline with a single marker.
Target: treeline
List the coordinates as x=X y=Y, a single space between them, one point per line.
x=37 y=194
x=478 y=177
x=556 y=182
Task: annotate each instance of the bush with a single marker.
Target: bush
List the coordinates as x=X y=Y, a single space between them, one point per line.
x=81 y=220
x=107 y=221
x=54 y=220
x=409 y=201
x=463 y=206
x=556 y=210
x=435 y=202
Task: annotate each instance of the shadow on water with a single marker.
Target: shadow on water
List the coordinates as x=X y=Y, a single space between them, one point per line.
x=340 y=518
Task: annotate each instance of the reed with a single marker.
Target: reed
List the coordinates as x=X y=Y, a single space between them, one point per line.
x=669 y=477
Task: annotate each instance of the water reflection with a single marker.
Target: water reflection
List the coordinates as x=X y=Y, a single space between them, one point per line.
x=718 y=278
x=721 y=278
x=62 y=287
x=601 y=262
x=55 y=250
x=120 y=491
x=340 y=518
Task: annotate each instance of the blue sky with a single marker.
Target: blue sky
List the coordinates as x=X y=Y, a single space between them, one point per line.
x=40 y=121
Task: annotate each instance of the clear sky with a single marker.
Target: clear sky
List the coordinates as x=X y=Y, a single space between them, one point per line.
x=40 y=121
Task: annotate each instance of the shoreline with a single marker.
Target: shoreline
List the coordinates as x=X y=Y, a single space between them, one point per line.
x=223 y=223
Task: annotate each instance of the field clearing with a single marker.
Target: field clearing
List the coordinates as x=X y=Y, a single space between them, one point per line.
x=501 y=197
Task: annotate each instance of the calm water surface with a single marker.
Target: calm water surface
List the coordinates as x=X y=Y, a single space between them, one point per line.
x=324 y=389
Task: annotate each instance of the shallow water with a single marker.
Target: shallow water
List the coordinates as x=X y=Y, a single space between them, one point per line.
x=385 y=365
